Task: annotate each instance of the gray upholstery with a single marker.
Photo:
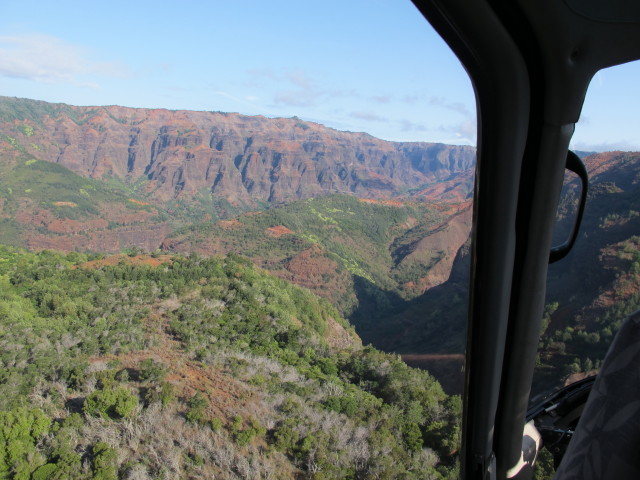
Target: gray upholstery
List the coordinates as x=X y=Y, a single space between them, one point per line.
x=606 y=444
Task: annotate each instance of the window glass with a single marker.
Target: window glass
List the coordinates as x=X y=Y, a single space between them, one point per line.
x=215 y=196
x=591 y=291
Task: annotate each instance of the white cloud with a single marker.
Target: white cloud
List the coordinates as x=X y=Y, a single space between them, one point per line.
x=411 y=99
x=408 y=126
x=48 y=59
x=247 y=101
x=300 y=79
x=368 y=116
x=261 y=72
x=584 y=120
x=304 y=92
x=293 y=88
x=465 y=131
x=297 y=98
x=623 y=145
x=381 y=98
x=453 y=106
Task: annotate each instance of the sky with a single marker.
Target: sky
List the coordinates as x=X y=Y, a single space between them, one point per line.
x=360 y=65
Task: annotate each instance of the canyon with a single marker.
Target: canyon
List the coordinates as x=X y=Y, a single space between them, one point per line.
x=243 y=160
x=380 y=229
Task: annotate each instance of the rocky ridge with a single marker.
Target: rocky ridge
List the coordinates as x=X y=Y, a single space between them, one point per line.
x=242 y=159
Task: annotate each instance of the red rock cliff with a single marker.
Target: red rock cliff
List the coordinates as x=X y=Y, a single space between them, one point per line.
x=241 y=158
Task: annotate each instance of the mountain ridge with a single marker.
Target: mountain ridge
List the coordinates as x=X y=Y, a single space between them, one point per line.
x=144 y=203
x=244 y=160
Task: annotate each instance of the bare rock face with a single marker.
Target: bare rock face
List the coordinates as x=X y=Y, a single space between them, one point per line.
x=440 y=249
x=239 y=158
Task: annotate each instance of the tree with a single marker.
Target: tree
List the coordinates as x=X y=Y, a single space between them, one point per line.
x=19 y=431
x=105 y=462
x=118 y=403
x=412 y=436
x=196 y=411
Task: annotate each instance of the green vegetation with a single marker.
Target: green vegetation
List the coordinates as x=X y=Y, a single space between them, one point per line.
x=196 y=409
x=582 y=344
x=597 y=286
x=10 y=232
x=47 y=201
x=356 y=239
x=56 y=188
x=202 y=205
x=28 y=110
x=200 y=367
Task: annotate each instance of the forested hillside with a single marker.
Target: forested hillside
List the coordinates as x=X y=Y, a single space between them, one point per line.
x=189 y=367
x=364 y=255
x=45 y=205
x=183 y=359
x=591 y=291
